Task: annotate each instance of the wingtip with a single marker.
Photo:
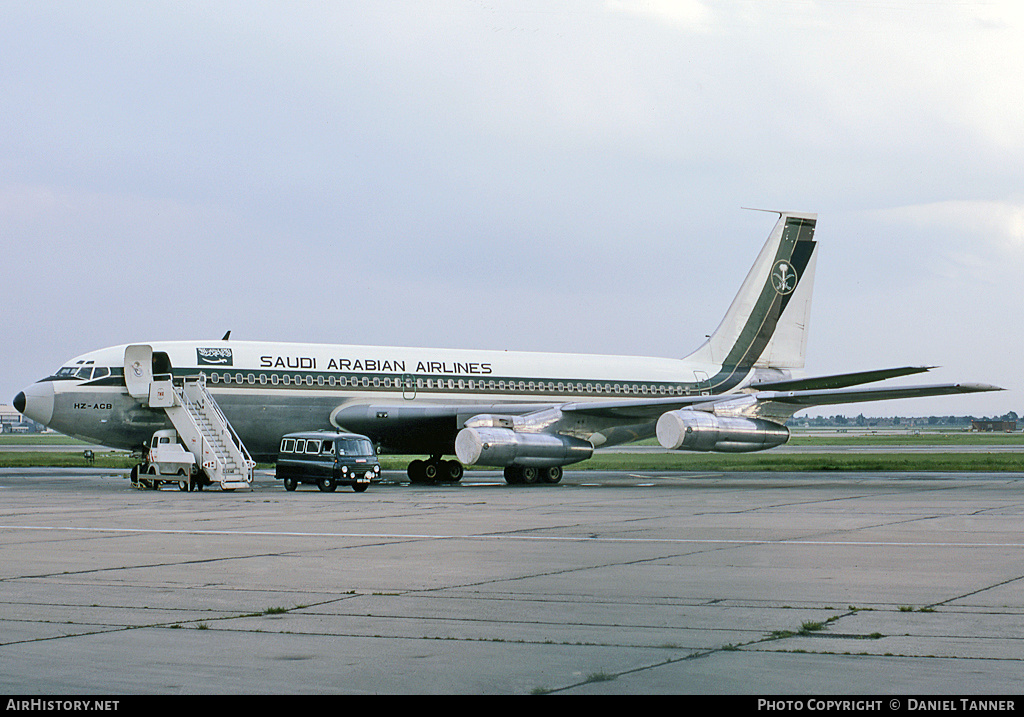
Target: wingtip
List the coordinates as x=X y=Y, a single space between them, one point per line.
x=979 y=387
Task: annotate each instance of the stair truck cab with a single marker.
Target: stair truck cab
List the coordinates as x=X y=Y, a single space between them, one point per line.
x=166 y=461
x=327 y=459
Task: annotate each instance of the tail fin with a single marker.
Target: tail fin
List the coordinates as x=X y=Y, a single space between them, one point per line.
x=766 y=325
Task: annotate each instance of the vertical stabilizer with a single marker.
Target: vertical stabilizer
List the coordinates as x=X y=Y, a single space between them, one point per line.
x=766 y=325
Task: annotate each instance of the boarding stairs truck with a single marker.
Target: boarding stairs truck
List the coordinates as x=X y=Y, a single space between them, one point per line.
x=166 y=461
x=202 y=429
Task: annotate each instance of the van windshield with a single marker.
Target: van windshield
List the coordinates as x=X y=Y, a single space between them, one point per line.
x=355 y=447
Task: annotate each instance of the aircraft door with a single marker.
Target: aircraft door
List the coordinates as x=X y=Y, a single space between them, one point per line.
x=408 y=387
x=138 y=370
x=703 y=383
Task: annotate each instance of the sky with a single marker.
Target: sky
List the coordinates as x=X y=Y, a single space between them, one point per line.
x=534 y=175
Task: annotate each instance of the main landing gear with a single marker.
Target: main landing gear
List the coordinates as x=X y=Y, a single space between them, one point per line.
x=528 y=475
x=435 y=470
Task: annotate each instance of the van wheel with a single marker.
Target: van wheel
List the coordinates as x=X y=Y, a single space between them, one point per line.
x=359 y=487
x=327 y=484
x=291 y=484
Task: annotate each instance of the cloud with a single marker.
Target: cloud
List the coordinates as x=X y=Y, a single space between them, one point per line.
x=980 y=239
x=689 y=15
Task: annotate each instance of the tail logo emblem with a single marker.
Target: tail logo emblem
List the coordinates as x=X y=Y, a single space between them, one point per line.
x=783 y=277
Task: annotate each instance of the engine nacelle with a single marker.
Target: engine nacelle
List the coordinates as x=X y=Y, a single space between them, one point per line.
x=503 y=447
x=699 y=431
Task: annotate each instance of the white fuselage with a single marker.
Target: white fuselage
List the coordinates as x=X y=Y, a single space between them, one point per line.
x=269 y=389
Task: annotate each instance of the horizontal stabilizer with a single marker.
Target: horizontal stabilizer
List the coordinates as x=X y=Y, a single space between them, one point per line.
x=781 y=405
x=841 y=380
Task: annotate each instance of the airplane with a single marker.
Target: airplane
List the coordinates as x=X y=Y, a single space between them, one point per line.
x=529 y=413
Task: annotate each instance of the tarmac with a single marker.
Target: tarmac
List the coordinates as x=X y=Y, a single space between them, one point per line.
x=608 y=583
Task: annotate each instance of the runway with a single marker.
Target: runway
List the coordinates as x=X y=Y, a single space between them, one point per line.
x=609 y=583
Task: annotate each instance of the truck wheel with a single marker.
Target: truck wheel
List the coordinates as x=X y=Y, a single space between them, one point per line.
x=327 y=484
x=359 y=487
x=290 y=484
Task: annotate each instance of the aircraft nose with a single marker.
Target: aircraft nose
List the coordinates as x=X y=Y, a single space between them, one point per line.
x=36 y=402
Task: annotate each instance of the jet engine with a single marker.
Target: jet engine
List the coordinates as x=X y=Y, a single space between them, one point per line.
x=503 y=447
x=688 y=430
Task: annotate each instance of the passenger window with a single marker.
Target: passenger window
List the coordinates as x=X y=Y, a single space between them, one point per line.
x=312 y=446
x=327 y=448
x=300 y=445
x=288 y=445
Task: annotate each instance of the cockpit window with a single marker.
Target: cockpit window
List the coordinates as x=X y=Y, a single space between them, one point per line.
x=85 y=373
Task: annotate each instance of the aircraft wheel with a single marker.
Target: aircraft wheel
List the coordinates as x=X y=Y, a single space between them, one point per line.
x=513 y=475
x=430 y=471
x=416 y=471
x=530 y=475
x=451 y=471
x=552 y=474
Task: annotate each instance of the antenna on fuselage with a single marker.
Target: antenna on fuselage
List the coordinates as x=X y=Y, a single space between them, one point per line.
x=227 y=335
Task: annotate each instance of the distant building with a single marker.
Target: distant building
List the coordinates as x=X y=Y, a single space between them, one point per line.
x=994 y=426
x=13 y=422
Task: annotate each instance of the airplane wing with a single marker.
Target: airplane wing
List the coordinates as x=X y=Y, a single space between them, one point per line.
x=748 y=421
x=775 y=405
x=779 y=400
x=774 y=401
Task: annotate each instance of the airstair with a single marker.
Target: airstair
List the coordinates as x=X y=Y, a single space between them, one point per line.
x=204 y=430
